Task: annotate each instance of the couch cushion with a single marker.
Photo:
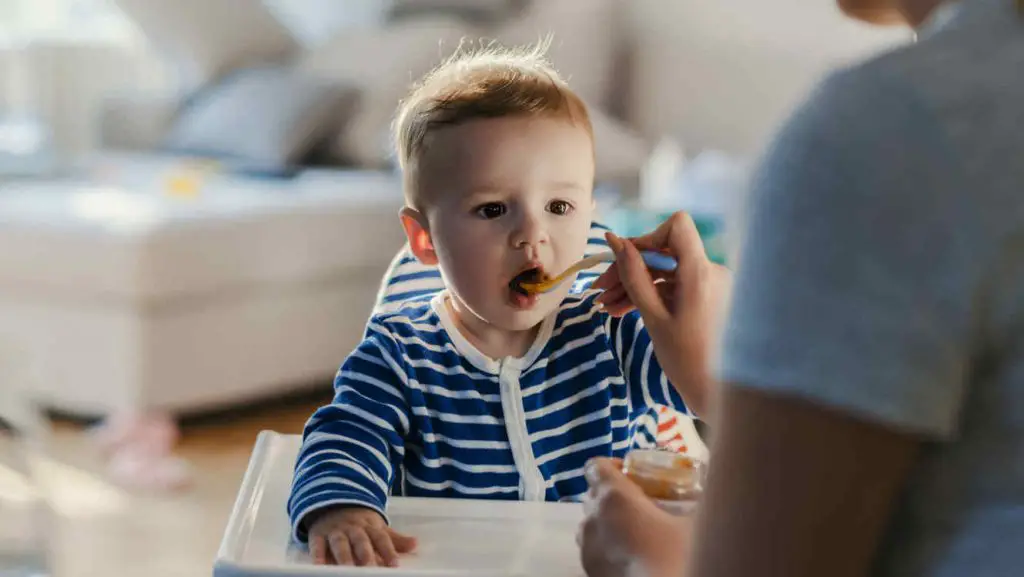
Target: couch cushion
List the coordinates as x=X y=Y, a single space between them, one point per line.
x=130 y=243
x=261 y=119
x=205 y=38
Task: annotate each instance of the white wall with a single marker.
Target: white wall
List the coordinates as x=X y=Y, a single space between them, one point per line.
x=724 y=73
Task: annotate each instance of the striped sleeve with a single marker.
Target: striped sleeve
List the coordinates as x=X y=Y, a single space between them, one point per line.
x=644 y=430
x=352 y=447
x=634 y=351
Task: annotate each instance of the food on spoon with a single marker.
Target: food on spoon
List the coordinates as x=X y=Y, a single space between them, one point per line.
x=529 y=276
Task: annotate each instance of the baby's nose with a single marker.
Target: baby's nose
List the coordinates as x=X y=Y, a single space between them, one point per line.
x=530 y=233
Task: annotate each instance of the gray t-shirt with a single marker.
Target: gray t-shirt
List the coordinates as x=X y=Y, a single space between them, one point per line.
x=883 y=275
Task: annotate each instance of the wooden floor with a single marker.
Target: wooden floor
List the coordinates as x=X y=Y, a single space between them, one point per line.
x=104 y=531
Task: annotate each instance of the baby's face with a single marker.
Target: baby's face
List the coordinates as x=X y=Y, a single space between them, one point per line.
x=507 y=195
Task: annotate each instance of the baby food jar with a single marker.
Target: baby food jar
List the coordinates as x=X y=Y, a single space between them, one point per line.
x=672 y=480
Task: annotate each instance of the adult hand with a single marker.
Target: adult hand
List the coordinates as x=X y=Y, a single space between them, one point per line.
x=624 y=533
x=682 y=309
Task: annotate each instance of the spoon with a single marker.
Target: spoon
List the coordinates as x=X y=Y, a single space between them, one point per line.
x=527 y=283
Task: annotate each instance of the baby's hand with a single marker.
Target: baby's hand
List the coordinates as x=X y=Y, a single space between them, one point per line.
x=353 y=535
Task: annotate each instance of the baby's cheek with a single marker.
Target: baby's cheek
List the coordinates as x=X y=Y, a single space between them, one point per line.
x=473 y=284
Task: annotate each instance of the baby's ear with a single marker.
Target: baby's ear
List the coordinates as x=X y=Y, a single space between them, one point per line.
x=416 y=230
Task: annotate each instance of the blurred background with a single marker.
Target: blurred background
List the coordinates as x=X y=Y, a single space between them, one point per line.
x=198 y=201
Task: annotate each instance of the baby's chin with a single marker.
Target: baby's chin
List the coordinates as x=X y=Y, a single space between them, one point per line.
x=511 y=319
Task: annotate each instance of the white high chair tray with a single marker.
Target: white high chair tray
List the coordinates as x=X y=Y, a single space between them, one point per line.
x=456 y=537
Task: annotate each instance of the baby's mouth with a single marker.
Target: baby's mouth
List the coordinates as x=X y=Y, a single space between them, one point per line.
x=531 y=275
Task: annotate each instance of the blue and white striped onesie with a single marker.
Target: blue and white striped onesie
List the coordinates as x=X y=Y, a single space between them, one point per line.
x=419 y=411
x=407 y=279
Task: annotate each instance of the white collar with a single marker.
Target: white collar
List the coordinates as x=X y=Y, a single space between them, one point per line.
x=478 y=358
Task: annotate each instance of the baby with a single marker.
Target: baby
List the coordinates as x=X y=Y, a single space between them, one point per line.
x=480 y=391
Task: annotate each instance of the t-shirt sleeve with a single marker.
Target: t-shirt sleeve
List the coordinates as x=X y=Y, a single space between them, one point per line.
x=854 y=286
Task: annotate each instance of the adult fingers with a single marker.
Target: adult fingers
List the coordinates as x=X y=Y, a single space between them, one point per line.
x=588 y=537
x=607 y=279
x=620 y=308
x=678 y=236
x=637 y=280
x=613 y=294
x=601 y=470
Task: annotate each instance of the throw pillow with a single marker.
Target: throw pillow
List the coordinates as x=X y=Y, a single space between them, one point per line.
x=207 y=38
x=259 y=119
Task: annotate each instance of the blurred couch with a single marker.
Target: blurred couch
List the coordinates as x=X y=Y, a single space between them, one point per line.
x=712 y=74
x=236 y=56
x=250 y=286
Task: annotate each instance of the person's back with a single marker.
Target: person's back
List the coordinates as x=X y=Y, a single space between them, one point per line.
x=904 y=289
x=964 y=512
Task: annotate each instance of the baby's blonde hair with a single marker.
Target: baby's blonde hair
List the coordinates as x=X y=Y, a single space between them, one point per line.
x=490 y=82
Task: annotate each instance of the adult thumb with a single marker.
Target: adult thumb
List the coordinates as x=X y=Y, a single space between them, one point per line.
x=636 y=279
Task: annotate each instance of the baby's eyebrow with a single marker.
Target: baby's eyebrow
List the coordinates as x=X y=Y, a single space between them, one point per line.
x=491 y=190
x=559 y=186
x=476 y=195
x=488 y=189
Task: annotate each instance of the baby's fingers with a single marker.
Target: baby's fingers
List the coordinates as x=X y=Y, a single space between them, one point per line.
x=385 y=547
x=403 y=543
x=362 y=547
x=318 y=549
x=341 y=549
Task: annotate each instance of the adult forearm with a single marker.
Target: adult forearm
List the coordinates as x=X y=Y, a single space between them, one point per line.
x=805 y=490
x=687 y=365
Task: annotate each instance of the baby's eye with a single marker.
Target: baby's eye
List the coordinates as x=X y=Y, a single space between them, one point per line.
x=491 y=210
x=560 y=207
